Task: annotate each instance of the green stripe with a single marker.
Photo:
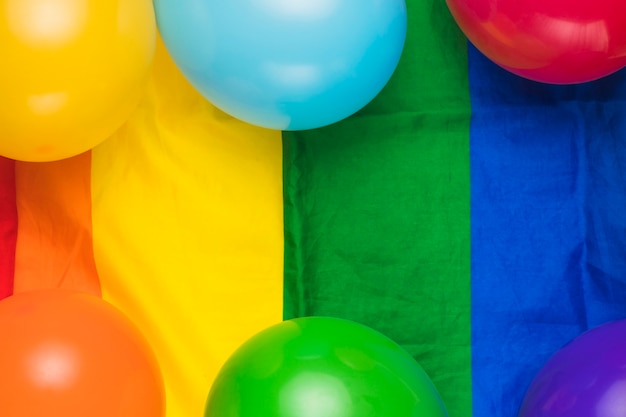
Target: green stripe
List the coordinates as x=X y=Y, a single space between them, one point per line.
x=377 y=225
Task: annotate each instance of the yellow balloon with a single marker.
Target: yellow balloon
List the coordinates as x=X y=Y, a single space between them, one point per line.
x=71 y=73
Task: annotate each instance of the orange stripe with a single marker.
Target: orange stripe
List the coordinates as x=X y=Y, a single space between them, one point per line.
x=54 y=240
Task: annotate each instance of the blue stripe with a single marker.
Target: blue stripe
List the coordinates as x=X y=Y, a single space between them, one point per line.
x=548 y=172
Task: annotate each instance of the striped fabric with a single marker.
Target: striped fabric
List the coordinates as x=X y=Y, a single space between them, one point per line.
x=477 y=218
x=8 y=226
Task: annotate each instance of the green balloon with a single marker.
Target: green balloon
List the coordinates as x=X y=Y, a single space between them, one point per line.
x=322 y=367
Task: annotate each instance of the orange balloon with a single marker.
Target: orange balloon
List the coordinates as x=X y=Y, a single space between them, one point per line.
x=72 y=72
x=71 y=354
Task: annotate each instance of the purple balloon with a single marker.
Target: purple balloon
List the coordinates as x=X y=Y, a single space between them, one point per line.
x=586 y=378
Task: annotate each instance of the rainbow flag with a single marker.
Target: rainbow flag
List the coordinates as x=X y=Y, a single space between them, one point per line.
x=476 y=218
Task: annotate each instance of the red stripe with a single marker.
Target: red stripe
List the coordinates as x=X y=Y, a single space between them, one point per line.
x=8 y=226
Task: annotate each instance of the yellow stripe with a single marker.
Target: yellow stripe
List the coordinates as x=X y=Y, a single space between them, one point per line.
x=188 y=231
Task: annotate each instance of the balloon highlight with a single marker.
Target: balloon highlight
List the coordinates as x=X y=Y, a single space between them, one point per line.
x=70 y=354
x=551 y=41
x=72 y=73
x=321 y=366
x=285 y=65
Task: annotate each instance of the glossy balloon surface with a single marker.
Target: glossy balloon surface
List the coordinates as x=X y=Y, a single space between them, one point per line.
x=285 y=64
x=69 y=354
x=552 y=41
x=586 y=378
x=319 y=366
x=71 y=72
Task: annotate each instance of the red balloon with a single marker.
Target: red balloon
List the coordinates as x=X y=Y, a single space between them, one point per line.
x=70 y=354
x=552 y=41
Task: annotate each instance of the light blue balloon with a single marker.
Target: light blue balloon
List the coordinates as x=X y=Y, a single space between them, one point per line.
x=285 y=64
